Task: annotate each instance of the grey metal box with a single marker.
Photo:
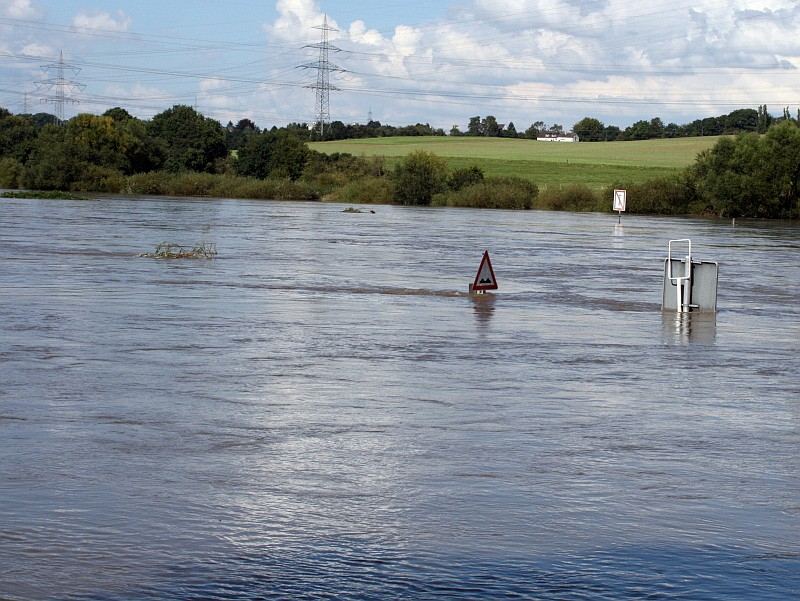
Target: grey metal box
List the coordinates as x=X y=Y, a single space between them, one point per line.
x=705 y=275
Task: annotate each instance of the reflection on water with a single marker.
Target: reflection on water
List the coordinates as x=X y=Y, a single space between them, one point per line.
x=324 y=412
x=696 y=327
x=483 y=306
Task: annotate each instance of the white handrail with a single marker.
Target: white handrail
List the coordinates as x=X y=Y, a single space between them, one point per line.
x=687 y=271
x=682 y=283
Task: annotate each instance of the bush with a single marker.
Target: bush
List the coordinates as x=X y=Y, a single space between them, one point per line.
x=368 y=189
x=492 y=193
x=93 y=178
x=576 y=197
x=11 y=171
x=154 y=183
x=418 y=177
x=219 y=186
x=662 y=196
x=461 y=178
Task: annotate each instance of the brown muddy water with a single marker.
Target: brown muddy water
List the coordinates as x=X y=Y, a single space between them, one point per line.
x=321 y=412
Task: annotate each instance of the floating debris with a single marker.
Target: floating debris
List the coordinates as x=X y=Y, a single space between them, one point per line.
x=354 y=210
x=168 y=250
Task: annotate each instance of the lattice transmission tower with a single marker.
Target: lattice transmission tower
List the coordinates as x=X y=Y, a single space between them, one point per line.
x=58 y=89
x=324 y=68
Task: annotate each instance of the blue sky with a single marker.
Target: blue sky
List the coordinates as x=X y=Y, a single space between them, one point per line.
x=409 y=61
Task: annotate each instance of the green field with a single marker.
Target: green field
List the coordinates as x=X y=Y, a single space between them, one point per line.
x=596 y=164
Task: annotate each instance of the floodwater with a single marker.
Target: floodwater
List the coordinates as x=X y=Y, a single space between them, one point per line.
x=321 y=412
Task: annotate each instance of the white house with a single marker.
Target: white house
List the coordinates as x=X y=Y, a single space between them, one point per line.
x=567 y=137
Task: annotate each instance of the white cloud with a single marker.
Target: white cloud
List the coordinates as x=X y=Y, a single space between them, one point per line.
x=359 y=34
x=296 y=18
x=18 y=9
x=39 y=50
x=521 y=60
x=102 y=21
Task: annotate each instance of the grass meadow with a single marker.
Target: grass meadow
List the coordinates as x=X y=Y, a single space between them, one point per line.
x=548 y=164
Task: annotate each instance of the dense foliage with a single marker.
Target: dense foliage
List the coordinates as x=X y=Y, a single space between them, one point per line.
x=418 y=177
x=750 y=175
x=181 y=152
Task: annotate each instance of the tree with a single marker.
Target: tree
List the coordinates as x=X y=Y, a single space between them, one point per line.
x=18 y=134
x=418 y=177
x=143 y=152
x=51 y=166
x=118 y=114
x=656 y=128
x=475 y=128
x=589 y=129
x=741 y=120
x=192 y=141
x=490 y=127
x=751 y=175
x=87 y=153
x=764 y=119
x=534 y=130
x=611 y=133
x=236 y=135
x=672 y=130
x=638 y=131
x=269 y=154
x=511 y=130
x=455 y=132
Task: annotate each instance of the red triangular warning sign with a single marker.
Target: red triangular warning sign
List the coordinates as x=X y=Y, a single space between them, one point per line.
x=485 y=280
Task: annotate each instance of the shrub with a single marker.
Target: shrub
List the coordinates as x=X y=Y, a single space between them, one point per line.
x=461 y=178
x=154 y=183
x=93 y=178
x=662 y=196
x=219 y=186
x=11 y=171
x=418 y=177
x=368 y=189
x=492 y=193
x=576 y=197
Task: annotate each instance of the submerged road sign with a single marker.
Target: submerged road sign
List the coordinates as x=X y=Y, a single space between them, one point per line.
x=620 y=199
x=484 y=279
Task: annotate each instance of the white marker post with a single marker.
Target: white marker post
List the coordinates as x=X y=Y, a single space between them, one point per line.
x=620 y=200
x=484 y=279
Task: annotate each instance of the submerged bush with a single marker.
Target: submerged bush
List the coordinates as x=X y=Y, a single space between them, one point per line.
x=99 y=179
x=368 y=189
x=661 y=196
x=576 y=197
x=219 y=186
x=492 y=193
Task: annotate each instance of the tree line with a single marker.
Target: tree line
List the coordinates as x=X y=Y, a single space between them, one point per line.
x=590 y=129
x=182 y=152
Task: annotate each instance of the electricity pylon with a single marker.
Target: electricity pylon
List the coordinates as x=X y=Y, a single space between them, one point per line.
x=58 y=89
x=324 y=69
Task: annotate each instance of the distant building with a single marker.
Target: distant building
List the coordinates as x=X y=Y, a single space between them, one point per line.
x=558 y=137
